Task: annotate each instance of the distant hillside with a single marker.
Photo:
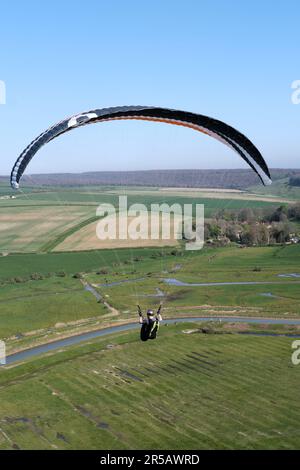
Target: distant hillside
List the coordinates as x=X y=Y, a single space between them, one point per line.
x=295 y=180
x=231 y=179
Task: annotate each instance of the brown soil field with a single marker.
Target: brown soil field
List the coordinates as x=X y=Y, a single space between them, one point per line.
x=86 y=238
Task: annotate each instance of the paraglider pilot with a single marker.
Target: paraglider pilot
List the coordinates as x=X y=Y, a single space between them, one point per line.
x=150 y=323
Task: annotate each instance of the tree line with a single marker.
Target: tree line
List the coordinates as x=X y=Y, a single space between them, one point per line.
x=261 y=226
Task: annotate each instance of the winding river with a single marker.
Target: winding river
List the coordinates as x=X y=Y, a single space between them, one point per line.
x=37 y=350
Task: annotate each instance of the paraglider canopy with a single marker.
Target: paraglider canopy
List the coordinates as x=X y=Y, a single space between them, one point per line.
x=213 y=127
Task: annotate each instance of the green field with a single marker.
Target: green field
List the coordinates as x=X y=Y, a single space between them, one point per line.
x=46 y=305
x=215 y=264
x=279 y=188
x=25 y=264
x=180 y=392
x=39 y=290
x=258 y=264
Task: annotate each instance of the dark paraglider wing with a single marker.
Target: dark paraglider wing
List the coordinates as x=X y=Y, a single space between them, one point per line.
x=213 y=127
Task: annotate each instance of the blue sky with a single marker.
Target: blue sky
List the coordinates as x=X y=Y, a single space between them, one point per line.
x=231 y=60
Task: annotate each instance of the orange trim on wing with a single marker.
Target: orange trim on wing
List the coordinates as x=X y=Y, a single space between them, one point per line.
x=154 y=119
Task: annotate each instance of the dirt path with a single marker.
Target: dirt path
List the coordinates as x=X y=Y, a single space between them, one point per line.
x=90 y=288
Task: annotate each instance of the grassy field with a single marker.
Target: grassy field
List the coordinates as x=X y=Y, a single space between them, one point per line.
x=39 y=291
x=245 y=300
x=46 y=304
x=71 y=262
x=280 y=188
x=182 y=391
x=211 y=264
x=261 y=264
x=28 y=305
